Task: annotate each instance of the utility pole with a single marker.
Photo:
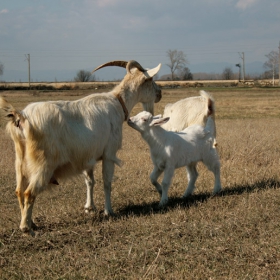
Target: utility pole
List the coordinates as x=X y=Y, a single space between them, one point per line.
x=279 y=65
x=239 y=72
x=242 y=56
x=28 y=59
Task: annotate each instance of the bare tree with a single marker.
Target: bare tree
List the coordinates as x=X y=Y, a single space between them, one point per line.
x=84 y=76
x=178 y=61
x=272 y=63
x=227 y=73
x=1 y=68
x=185 y=74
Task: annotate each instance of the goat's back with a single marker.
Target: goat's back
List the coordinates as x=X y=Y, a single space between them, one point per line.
x=189 y=111
x=179 y=148
x=72 y=134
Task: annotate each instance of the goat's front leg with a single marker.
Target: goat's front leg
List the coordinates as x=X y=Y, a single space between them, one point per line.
x=89 y=179
x=166 y=182
x=192 y=176
x=154 y=179
x=108 y=168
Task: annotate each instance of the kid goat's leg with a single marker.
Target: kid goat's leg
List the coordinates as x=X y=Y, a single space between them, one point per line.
x=154 y=179
x=192 y=176
x=216 y=171
x=213 y=164
x=167 y=178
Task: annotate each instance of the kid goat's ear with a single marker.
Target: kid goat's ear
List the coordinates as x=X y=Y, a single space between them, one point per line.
x=157 y=116
x=159 y=121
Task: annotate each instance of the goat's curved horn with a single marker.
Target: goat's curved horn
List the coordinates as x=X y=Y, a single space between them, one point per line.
x=119 y=63
x=124 y=64
x=132 y=63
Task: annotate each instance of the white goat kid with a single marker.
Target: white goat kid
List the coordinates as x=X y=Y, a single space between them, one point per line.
x=58 y=139
x=189 y=111
x=170 y=150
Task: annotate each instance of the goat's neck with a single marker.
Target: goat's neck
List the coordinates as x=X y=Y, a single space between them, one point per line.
x=129 y=98
x=154 y=136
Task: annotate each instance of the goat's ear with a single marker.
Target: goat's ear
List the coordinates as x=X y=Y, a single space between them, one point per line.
x=152 y=72
x=157 y=116
x=159 y=121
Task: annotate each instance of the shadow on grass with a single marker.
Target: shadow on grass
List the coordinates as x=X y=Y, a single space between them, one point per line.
x=196 y=199
x=145 y=209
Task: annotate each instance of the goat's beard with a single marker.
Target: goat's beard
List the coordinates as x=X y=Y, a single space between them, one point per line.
x=149 y=107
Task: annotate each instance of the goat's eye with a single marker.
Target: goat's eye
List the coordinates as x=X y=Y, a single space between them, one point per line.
x=144 y=120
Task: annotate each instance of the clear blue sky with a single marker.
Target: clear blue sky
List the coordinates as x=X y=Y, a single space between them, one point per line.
x=82 y=34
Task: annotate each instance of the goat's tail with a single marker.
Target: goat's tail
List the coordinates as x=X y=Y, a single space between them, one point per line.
x=12 y=117
x=210 y=123
x=210 y=103
x=9 y=113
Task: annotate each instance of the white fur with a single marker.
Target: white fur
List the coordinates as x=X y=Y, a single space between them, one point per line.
x=58 y=139
x=189 y=111
x=171 y=150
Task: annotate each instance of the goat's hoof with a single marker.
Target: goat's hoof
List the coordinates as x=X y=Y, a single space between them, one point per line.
x=90 y=209
x=216 y=193
x=33 y=226
x=162 y=205
x=186 y=196
x=109 y=213
x=27 y=231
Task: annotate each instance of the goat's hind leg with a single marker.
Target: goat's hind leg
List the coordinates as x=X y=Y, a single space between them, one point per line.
x=37 y=183
x=20 y=190
x=89 y=178
x=213 y=164
x=22 y=184
x=26 y=217
x=192 y=176
x=215 y=168
x=21 y=187
x=108 y=168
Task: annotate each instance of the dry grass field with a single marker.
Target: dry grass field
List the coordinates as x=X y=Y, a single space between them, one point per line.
x=234 y=235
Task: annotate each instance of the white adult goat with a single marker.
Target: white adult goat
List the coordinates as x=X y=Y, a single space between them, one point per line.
x=189 y=111
x=58 y=139
x=170 y=150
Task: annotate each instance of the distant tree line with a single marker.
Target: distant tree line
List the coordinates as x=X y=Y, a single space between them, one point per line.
x=84 y=76
x=177 y=62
